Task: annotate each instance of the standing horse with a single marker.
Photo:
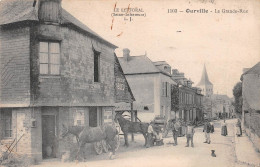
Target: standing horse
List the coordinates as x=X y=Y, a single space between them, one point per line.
x=93 y=134
x=131 y=127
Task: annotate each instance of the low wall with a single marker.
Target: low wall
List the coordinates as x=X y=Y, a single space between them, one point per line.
x=252 y=128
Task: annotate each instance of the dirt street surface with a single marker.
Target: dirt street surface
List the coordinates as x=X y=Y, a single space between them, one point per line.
x=168 y=155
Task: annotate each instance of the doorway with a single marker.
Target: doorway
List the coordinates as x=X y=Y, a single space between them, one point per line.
x=49 y=145
x=93 y=117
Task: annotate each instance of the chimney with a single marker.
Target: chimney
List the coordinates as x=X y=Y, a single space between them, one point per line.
x=50 y=11
x=126 y=54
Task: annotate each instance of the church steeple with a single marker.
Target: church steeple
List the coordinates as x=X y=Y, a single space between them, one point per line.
x=204 y=78
x=205 y=85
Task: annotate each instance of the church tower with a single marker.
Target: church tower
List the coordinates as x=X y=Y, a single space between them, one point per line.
x=205 y=85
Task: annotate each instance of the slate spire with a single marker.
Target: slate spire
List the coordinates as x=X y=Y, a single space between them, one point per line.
x=204 y=78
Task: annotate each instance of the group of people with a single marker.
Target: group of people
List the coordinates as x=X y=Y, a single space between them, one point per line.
x=155 y=134
x=175 y=125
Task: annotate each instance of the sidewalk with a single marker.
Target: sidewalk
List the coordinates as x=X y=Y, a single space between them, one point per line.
x=245 y=151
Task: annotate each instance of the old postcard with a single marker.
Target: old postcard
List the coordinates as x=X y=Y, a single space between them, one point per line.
x=130 y=83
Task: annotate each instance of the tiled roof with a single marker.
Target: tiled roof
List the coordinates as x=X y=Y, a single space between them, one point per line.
x=138 y=65
x=12 y=11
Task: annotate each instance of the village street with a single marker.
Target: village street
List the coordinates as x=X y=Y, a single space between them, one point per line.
x=168 y=155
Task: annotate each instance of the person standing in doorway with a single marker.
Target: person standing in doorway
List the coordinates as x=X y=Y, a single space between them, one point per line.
x=207 y=130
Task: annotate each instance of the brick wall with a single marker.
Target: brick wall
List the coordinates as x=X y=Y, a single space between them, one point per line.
x=75 y=86
x=14 y=66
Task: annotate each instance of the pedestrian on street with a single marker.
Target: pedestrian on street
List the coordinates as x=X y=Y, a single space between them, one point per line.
x=206 y=130
x=224 y=131
x=150 y=132
x=175 y=130
x=238 y=128
x=212 y=127
x=189 y=134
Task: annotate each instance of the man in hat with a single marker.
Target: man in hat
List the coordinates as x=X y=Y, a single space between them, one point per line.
x=207 y=130
x=189 y=134
x=175 y=130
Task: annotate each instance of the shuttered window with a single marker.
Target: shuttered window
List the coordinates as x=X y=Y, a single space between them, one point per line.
x=49 y=55
x=6 y=119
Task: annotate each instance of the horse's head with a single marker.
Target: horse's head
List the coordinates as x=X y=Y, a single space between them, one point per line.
x=118 y=116
x=64 y=131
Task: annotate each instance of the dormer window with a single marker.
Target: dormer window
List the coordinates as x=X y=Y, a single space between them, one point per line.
x=49 y=58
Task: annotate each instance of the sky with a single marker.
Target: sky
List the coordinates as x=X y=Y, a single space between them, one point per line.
x=225 y=42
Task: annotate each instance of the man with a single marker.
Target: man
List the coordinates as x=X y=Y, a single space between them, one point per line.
x=150 y=132
x=175 y=130
x=189 y=134
x=207 y=130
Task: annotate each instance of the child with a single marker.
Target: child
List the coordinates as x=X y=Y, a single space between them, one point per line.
x=189 y=134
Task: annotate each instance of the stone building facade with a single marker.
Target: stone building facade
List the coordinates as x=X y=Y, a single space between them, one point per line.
x=150 y=83
x=54 y=71
x=187 y=100
x=251 y=106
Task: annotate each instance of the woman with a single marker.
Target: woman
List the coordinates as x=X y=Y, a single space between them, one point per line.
x=224 y=129
x=238 y=128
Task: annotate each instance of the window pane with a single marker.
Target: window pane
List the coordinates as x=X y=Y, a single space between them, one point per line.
x=44 y=47
x=55 y=58
x=43 y=57
x=54 y=48
x=55 y=69
x=43 y=68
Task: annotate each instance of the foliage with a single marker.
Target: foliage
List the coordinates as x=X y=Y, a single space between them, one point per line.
x=175 y=98
x=237 y=93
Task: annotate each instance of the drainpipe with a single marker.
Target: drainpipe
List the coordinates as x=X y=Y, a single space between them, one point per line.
x=132 y=118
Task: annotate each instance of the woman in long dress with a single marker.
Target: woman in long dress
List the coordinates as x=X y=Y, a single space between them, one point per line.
x=238 y=128
x=224 y=131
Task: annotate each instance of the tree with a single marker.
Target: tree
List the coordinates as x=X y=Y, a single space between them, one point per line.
x=237 y=93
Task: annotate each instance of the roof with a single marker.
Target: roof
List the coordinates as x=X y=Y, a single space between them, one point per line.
x=254 y=70
x=13 y=11
x=138 y=65
x=204 y=78
x=220 y=97
x=251 y=88
x=160 y=63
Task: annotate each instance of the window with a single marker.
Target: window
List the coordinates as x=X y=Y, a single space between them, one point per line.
x=96 y=66
x=49 y=53
x=7 y=123
x=163 y=89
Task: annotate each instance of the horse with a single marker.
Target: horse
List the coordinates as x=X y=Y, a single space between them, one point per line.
x=92 y=134
x=131 y=127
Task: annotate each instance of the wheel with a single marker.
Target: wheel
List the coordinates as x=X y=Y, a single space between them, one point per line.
x=98 y=147
x=105 y=146
x=117 y=139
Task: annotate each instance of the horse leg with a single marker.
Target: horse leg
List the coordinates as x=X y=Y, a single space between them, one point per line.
x=79 y=151
x=126 y=139
x=145 y=138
